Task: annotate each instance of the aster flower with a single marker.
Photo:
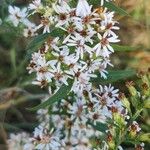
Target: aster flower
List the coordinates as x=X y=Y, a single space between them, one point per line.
x=17 y=15
x=97 y=116
x=104 y=44
x=35 y=5
x=45 y=23
x=108 y=25
x=30 y=29
x=83 y=8
x=134 y=128
x=45 y=139
x=17 y=141
x=61 y=55
x=41 y=82
x=77 y=111
x=64 y=13
x=59 y=75
x=81 y=82
x=52 y=43
x=79 y=42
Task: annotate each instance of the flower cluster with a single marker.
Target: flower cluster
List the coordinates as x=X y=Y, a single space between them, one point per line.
x=70 y=123
x=83 y=49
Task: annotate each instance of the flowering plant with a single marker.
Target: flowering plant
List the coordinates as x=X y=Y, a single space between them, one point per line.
x=71 y=50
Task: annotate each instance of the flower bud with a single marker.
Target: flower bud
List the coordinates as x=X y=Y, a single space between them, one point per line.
x=118 y=118
x=145 y=89
x=110 y=141
x=145 y=137
x=139 y=146
x=124 y=101
x=134 y=129
x=131 y=88
x=147 y=103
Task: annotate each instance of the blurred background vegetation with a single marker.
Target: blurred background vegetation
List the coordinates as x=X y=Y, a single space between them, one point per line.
x=16 y=91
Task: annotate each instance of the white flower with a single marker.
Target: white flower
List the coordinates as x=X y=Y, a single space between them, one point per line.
x=103 y=71
x=43 y=71
x=108 y=24
x=35 y=5
x=52 y=43
x=93 y=65
x=61 y=55
x=79 y=42
x=17 y=15
x=43 y=117
x=81 y=82
x=104 y=43
x=58 y=121
x=45 y=139
x=59 y=75
x=45 y=23
x=64 y=13
x=83 y=8
x=17 y=141
x=41 y=82
x=97 y=116
x=111 y=92
x=106 y=98
x=134 y=127
x=77 y=111
x=30 y=31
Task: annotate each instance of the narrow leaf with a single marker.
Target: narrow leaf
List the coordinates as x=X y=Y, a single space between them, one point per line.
x=40 y=39
x=115 y=8
x=99 y=126
x=114 y=76
x=110 y=6
x=122 y=48
x=147 y=103
x=13 y=59
x=60 y=94
x=144 y=137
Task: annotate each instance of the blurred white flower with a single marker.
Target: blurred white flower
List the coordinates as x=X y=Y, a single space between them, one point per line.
x=45 y=139
x=83 y=8
x=17 y=15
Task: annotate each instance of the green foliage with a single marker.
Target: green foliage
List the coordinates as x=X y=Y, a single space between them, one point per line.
x=100 y=126
x=115 y=8
x=59 y=95
x=38 y=41
x=110 y=6
x=114 y=76
x=123 y=48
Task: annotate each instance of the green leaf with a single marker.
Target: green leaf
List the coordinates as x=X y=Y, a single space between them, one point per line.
x=37 y=42
x=19 y=126
x=99 y=126
x=115 y=8
x=114 y=76
x=144 y=137
x=13 y=60
x=147 y=103
x=110 y=6
x=60 y=94
x=122 y=48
